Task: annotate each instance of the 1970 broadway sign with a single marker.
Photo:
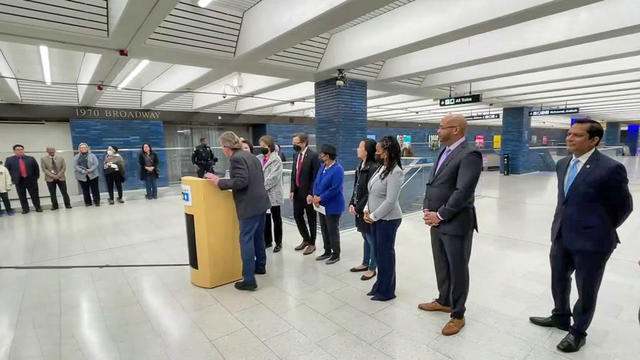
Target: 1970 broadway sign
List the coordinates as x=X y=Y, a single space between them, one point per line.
x=116 y=113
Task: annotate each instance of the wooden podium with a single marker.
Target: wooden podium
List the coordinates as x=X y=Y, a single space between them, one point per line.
x=212 y=233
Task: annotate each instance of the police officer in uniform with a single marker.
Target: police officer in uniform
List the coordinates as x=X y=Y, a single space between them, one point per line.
x=203 y=158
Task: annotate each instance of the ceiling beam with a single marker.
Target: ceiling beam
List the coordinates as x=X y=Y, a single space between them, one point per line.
x=9 y=90
x=588 y=23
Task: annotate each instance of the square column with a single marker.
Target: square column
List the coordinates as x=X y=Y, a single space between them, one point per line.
x=341 y=117
x=516 y=130
x=612 y=134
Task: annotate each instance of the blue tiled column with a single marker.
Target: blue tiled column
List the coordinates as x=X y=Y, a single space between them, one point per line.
x=341 y=117
x=612 y=134
x=516 y=130
x=632 y=139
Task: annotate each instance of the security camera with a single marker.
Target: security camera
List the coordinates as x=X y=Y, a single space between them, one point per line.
x=341 y=78
x=224 y=96
x=99 y=87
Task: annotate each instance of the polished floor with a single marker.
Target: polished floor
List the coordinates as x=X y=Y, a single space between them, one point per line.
x=303 y=309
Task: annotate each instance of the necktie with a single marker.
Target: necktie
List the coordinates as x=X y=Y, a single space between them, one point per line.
x=298 y=169
x=443 y=158
x=573 y=172
x=23 y=167
x=54 y=166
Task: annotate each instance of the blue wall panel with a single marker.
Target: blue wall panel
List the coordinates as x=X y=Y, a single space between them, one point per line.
x=125 y=134
x=283 y=133
x=516 y=132
x=612 y=134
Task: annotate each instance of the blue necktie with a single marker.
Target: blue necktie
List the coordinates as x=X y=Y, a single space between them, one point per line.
x=573 y=172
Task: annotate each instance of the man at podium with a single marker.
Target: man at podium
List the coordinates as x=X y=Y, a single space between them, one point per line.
x=252 y=202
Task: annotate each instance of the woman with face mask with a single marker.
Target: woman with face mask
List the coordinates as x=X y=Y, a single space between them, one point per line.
x=327 y=192
x=114 y=172
x=272 y=169
x=365 y=170
x=384 y=214
x=86 y=164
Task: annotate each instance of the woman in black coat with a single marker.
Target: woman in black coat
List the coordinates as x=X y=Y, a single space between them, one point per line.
x=367 y=167
x=149 y=170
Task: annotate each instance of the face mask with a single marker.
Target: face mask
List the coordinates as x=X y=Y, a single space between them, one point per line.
x=297 y=148
x=378 y=158
x=264 y=151
x=109 y=152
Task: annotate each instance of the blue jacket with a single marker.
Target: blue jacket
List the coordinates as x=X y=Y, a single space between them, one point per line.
x=328 y=185
x=597 y=203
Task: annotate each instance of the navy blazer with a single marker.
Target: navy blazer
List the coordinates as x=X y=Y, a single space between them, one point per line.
x=597 y=203
x=13 y=165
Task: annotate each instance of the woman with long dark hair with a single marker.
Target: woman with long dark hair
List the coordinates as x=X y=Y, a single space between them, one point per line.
x=149 y=170
x=384 y=214
x=365 y=170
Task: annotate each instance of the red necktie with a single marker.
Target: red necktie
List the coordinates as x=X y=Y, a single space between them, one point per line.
x=23 y=167
x=298 y=169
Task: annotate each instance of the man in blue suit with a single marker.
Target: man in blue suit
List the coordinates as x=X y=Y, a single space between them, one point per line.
x=593 y=201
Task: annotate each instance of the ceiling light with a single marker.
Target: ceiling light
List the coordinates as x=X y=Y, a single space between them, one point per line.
x=141 y=65
x=204 y=3
x=46 y=67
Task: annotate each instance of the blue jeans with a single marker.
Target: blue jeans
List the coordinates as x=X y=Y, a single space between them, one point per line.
x=369 y=259
x=252 y=247
x=150 y=183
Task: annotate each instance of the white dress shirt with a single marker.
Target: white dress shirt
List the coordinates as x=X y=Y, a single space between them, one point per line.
x=581 y=161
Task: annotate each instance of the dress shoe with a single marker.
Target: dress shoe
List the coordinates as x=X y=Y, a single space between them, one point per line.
x=380 y=298
x=434 y=306
x=309 y=250
x=68 y=207
x=371 y=293
x=571 y=343
x=11 y=212
x=97 y=204
x=323 y=257
x=365 y=277
x=261 y=271
x=268 y=246
x=302 y=246
x=54 y=208
x=121 y=201
x=277 y=248
x=25 y=211
x=111 y=202
x=453 y=327
x=357 y=269
x=241 y=285
x=549 y=322
x=332 y=260
x=38 y=209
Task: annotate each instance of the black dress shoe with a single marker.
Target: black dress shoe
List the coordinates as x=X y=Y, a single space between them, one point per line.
x=380 y=298
x=38 y=209
x=25 y=211
x=261 y=271
x=277 y=248
x=365 y=277
x=571 y=343
x=241 y=285
x=54 y=208
x=323 y=257
x=68 y=206
x=371 y=293
x=356 y=269
x=549 y=322
x=268 y=246
x=97 y=204
x=111 y=202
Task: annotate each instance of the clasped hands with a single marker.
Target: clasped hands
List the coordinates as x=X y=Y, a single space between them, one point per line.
x=315 y=200
x=431 y=218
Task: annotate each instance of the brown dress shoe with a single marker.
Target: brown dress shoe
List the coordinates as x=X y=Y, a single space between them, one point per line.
x=453 y=327
x=309 y=250
x=302 y=245
x=434 y=306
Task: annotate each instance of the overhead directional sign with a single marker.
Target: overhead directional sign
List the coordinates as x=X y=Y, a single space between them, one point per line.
x=482 y=116
x=554 y=112
x=474 y=98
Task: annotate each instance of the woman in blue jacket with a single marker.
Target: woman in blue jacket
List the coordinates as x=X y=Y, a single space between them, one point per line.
x=327 y=192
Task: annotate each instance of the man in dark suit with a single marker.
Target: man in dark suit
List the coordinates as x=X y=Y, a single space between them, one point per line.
x=251 y=199
x=449 y=210
x=24 y=172
x=303 y=173
x=593 y=201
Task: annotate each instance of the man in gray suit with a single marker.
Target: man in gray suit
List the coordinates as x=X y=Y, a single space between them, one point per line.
x=252 y=202
x=449 y=211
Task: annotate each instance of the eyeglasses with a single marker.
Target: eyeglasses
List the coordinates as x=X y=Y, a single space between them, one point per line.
x=446 y=127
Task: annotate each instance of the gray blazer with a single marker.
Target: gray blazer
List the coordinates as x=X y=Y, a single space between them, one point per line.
x=47 y=168
x=273 y=178
x=247 y=183
x=93 y=168
x=383 y=201
x=451 y=190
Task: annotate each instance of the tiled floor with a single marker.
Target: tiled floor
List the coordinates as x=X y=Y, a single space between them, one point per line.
x=303 y=309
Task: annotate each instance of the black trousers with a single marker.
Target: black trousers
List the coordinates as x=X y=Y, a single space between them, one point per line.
x=31 y=185
x=114 y=179
x=330 y=227
x=277 y=226
x=5 y=199
x=89 y=188
x=63 y=190
x=300 y=207
x=451 y=254
x=589 y=269
x=384 y=242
